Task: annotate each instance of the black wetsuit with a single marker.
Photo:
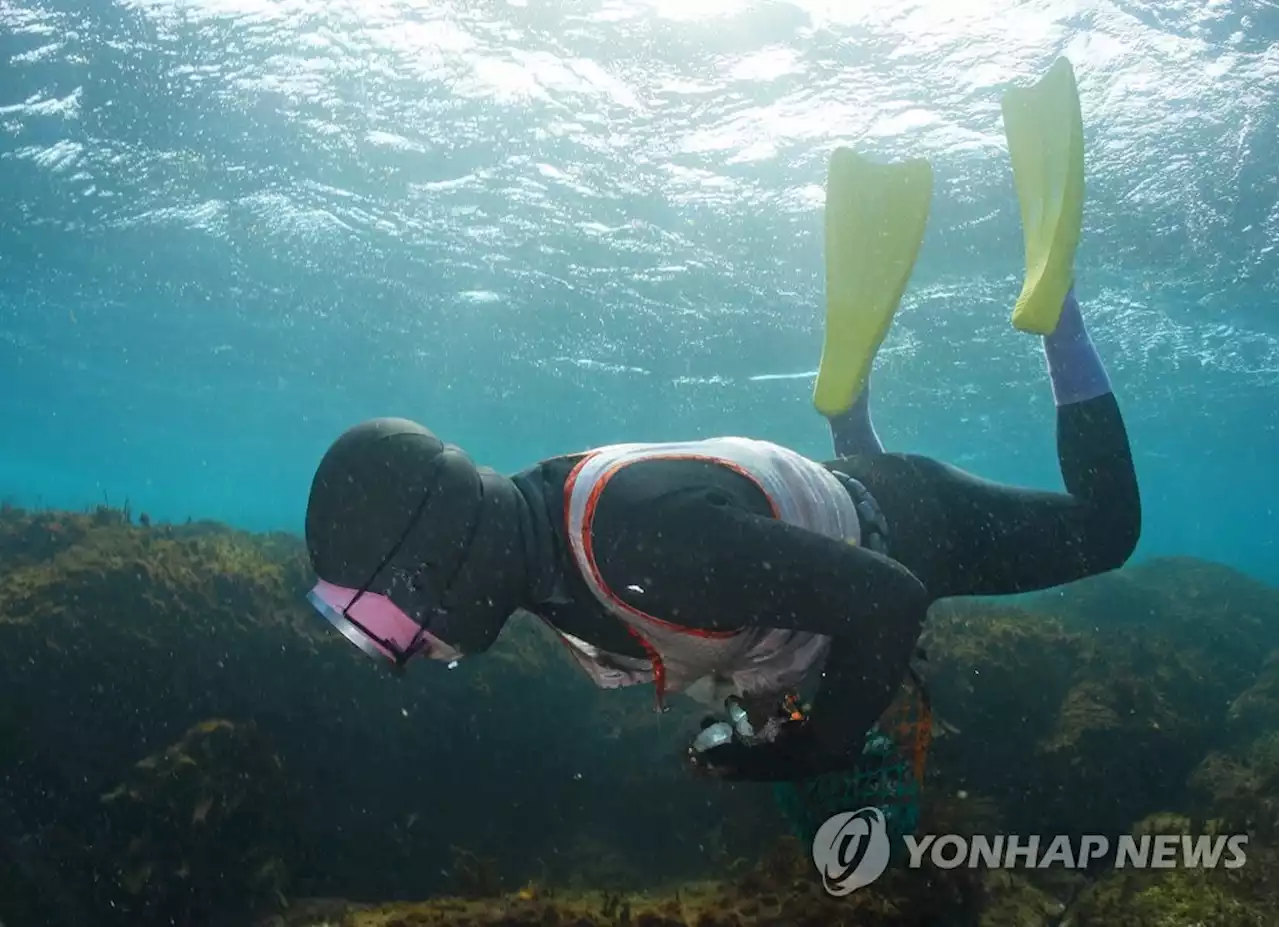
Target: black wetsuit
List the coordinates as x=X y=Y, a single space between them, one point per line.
x=701 y=541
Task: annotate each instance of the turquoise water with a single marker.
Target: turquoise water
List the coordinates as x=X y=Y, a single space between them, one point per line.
x=231 y=228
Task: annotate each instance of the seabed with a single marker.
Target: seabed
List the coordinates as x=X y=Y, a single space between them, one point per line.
x=182 y=742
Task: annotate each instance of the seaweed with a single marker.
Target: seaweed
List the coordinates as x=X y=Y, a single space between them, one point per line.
x=279 y=767
x=189 y=835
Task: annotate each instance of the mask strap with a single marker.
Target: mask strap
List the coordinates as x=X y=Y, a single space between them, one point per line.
x=419 y=639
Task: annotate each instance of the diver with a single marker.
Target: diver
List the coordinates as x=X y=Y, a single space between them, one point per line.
x=735 y=570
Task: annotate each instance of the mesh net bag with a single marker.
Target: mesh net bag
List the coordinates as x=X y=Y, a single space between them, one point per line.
x=888 y=775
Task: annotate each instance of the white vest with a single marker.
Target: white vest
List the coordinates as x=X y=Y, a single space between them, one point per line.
x=708 y=665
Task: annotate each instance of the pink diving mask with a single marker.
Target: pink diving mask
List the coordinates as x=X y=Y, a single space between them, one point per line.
x=376 y=625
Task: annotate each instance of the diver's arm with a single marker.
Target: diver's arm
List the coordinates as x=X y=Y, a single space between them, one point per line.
x=855 y=694
x=696 y=560
x=694 y=544
x=703 y=562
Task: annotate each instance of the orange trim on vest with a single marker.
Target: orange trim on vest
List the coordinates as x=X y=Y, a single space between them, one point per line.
x=569 y=485
x=659 y=669
x=588 y=516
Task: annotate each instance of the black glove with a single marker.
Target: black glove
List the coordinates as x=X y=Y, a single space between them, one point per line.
x=792 y=754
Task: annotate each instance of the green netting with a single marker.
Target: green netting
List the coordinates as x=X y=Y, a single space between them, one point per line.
x=883 y=779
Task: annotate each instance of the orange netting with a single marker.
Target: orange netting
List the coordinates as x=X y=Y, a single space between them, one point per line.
x=909 y=723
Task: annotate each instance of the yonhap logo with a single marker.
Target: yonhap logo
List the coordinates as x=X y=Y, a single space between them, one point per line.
x=851 y=849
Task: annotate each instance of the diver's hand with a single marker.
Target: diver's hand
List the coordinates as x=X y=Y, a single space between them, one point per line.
x=714 y=738
x=719 y=753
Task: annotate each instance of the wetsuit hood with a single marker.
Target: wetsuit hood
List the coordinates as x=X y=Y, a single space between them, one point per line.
x=395 y=512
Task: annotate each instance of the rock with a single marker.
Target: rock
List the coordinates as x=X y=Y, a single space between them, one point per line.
x=1078 y=711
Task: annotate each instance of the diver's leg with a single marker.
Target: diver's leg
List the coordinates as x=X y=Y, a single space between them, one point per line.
x=1075 y=369
x=990 y=539
x=852 y=432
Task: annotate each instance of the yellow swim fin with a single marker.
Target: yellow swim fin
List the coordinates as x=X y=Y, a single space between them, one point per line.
x=875 y=219
x=1046 y=145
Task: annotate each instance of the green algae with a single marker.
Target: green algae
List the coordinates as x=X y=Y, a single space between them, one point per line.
x=1082 y=713
x=192 y=836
